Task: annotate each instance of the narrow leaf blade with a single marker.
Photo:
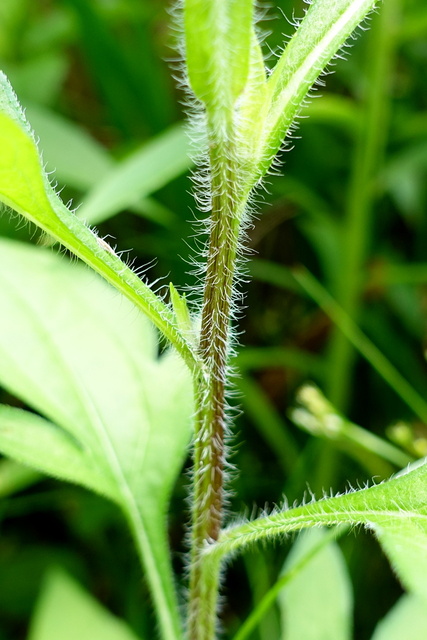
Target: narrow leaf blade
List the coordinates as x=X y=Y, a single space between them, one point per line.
x=325 y=28
x=395 y=510
x=145 y=171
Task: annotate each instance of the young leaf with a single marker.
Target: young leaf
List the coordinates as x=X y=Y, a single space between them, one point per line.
x=217 y=41
x=182 y=314
x=65 y=609
x=325 y=28
x=82 y=357
x=25 y=187
x=324 y=583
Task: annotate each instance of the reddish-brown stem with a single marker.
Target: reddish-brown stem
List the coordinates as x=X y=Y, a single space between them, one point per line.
x=209 y=458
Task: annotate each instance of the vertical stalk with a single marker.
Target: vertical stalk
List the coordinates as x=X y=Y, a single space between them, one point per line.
x=209 y=454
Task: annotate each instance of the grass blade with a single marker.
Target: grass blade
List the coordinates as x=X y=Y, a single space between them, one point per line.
x=358 y=339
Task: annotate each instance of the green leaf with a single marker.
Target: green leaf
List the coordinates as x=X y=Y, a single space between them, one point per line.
x=407 y=619
x=25 y=187
x=11 y=15
x=254 y=103
x=50 y=69
x=324 y=583
x=218 y=41
x=270 y=597
x=15 y=477
x=325 y=28
x=84 y=358
x=65 y=608
x=396 y=511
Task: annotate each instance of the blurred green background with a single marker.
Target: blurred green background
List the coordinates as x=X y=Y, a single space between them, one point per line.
x=95 y=77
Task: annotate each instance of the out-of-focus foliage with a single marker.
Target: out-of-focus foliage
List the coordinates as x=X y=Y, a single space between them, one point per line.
x=350 y=206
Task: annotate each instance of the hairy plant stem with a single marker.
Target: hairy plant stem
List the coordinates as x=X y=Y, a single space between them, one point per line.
x=209 y=454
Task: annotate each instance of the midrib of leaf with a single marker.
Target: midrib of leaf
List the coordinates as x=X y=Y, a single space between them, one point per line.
x=162 y=588
x=241 y=536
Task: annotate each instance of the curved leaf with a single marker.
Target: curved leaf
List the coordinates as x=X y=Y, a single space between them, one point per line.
x=27 y=438
x=396 y=511
x=25 y=188
x=217 y=41
x=138 y=175
x=322 y=32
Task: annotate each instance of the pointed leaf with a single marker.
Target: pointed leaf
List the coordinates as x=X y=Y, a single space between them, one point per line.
x=143 y=172
x=254 y=104
x=66 y=609
x=182 y=313
x=323 y=31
